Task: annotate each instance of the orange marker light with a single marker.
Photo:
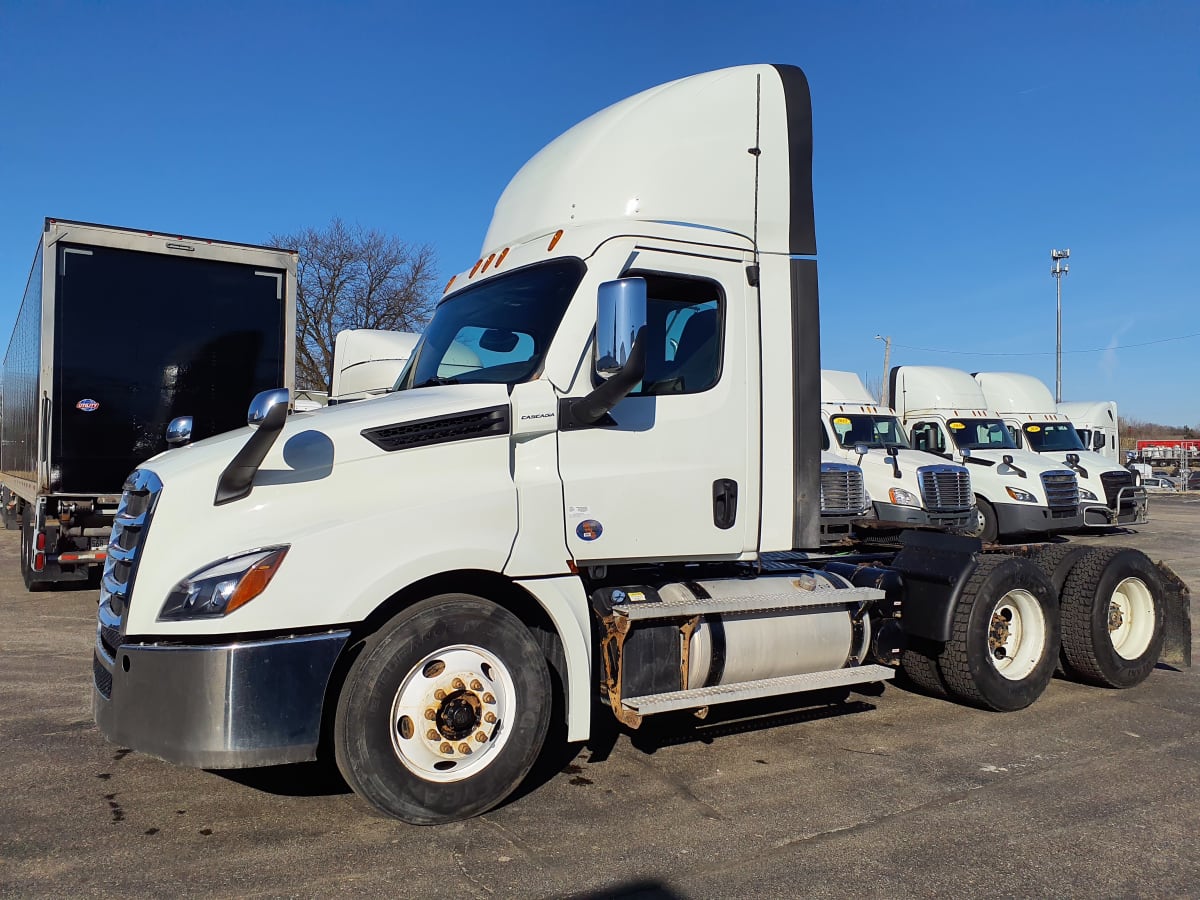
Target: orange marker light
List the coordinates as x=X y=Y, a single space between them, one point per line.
x=448 y=283
x=488 y=263
x=256 y=580
x=554 y=240
x=475 y=268
x=503 y=253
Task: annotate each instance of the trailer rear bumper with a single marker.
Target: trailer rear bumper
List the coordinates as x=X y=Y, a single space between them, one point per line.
x=223 y=706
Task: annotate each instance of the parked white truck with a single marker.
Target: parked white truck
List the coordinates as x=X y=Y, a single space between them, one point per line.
x=1016 y=492
x=908 y=488
x=1097 y=425
x=1107 y=493
x=432 y=579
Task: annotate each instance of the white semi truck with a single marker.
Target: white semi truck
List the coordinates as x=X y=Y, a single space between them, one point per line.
x=431 y=581
x=1016 y=492
x=1097 y=425
x=908 y=488
x=1107 y=493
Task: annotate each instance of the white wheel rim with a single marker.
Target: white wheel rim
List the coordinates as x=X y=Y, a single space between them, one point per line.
x=1131 y=618
x=1016 y=635
x=452 y=713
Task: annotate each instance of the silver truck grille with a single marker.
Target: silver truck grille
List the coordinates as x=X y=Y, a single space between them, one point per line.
x=1062 y=491
x=130 y=525
x=945 y=488
x=842 y=490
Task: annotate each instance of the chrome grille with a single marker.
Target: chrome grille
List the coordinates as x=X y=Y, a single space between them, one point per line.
x=945 y=488
x=1062 y=490
x=842 y=490
x=1113 y=482
x=130 y=525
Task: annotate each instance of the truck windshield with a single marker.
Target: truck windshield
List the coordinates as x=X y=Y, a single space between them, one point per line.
x=1044 y=437
x=981 y=434
x=874 y=431
x=496 y=332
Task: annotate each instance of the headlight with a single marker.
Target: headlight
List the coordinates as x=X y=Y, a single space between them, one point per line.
x=1023 y=496
x=220 y=588
x=901 y=497
x=1087 y=495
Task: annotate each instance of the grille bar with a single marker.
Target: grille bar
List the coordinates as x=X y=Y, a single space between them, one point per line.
x=1062 y=490
x=945 y=488
x=842 y=490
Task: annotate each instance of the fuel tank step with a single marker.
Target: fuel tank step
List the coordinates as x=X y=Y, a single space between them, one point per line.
x=651 y=704
x=637 y=612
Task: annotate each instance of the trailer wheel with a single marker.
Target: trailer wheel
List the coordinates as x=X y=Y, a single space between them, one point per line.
x=1005 y=636
x=1112 y=617
x=444 y=712
x=985 y=527
x=1057 y=561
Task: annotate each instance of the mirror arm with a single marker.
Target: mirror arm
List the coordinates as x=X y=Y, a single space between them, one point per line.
x=590 y=409
x=238 y=477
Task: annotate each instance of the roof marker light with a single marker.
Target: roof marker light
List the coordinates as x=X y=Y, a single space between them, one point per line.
x=488 y=263
x=500 y=258
x=554 y=240
x=448 y=283
x=475 y=268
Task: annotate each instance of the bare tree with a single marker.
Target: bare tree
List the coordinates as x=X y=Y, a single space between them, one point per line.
x=352 y=277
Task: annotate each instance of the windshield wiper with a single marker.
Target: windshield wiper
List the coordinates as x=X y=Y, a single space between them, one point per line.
x=436 y=380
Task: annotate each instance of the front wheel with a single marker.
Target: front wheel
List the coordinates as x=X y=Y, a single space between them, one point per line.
x=444 y=712
x=1005 y=638
x=986 y=526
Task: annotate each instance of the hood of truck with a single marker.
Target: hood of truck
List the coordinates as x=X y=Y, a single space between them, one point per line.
x=1033 y=463
x=880 y=476
x=341 y=502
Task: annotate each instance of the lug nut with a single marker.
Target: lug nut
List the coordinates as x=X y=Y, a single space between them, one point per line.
x=477 y=685
x=481 y=737
x=489 y=718
x=464 y=748
x=457 y=684
x=446 y=748
x=432 y=734
x=488 y=698
x=439 y=694
x=431 y=714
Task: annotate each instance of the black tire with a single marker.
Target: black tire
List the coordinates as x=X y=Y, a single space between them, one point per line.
x=1057 y=561
x=405 y=786
x=1090 y=629
x=1001 y=590
x=919 y=665
x=986 y=526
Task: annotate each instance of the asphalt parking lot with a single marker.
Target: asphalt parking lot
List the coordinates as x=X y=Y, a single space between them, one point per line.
x=1088 y=792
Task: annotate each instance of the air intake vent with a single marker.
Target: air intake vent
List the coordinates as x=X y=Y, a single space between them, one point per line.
x=440 y=429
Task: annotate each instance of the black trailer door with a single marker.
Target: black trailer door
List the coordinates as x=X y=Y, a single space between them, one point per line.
x=143 y=337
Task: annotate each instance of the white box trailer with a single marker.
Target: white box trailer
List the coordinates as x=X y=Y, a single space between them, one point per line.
x=621 y=502
x=119 y=332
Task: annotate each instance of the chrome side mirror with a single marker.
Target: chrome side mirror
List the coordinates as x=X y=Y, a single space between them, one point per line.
x=861 y=449
x=966 y=452
x=262 y=403
x=620 y=317
x=179 y=432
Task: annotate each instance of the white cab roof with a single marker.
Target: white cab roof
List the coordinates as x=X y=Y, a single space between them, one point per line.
x=844 y=387
x=1013 y=392
x=937 y=387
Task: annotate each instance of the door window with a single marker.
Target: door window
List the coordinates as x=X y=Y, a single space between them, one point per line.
x=684 y=325
x=928 y=436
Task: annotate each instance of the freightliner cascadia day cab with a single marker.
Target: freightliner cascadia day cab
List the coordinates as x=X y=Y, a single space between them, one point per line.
x=908 y=489
x=1107 y=493
x=607 y=504
x=1097 y=425
x=1016 y=492
x=119 y=332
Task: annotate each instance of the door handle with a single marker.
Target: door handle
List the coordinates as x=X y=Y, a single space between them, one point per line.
x=724 y=503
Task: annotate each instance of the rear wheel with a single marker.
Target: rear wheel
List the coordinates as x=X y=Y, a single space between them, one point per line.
x=1113 y=617
x=1005 y=636
x=444 y=712
x=920 y=666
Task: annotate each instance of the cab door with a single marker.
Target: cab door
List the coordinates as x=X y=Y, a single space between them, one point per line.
x=673 y=471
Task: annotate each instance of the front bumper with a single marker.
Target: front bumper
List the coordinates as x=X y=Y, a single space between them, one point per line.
x=220 y=706
x=891 y=514
x=1022 y=518
x=1132 y=505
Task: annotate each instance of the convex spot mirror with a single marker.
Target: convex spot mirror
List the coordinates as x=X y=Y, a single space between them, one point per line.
x=179 y=432
x=263 y=402
x=620 y=317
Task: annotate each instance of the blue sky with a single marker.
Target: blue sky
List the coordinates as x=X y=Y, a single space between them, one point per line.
x=955 y=145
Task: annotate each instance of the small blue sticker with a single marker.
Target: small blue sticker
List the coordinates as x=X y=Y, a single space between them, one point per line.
x=589 y=530
x=88 y=405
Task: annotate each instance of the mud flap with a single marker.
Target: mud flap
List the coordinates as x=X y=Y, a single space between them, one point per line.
x=1177 y=601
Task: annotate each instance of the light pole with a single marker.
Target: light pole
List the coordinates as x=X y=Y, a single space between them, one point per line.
x=887 y=352
x=1060 y=269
